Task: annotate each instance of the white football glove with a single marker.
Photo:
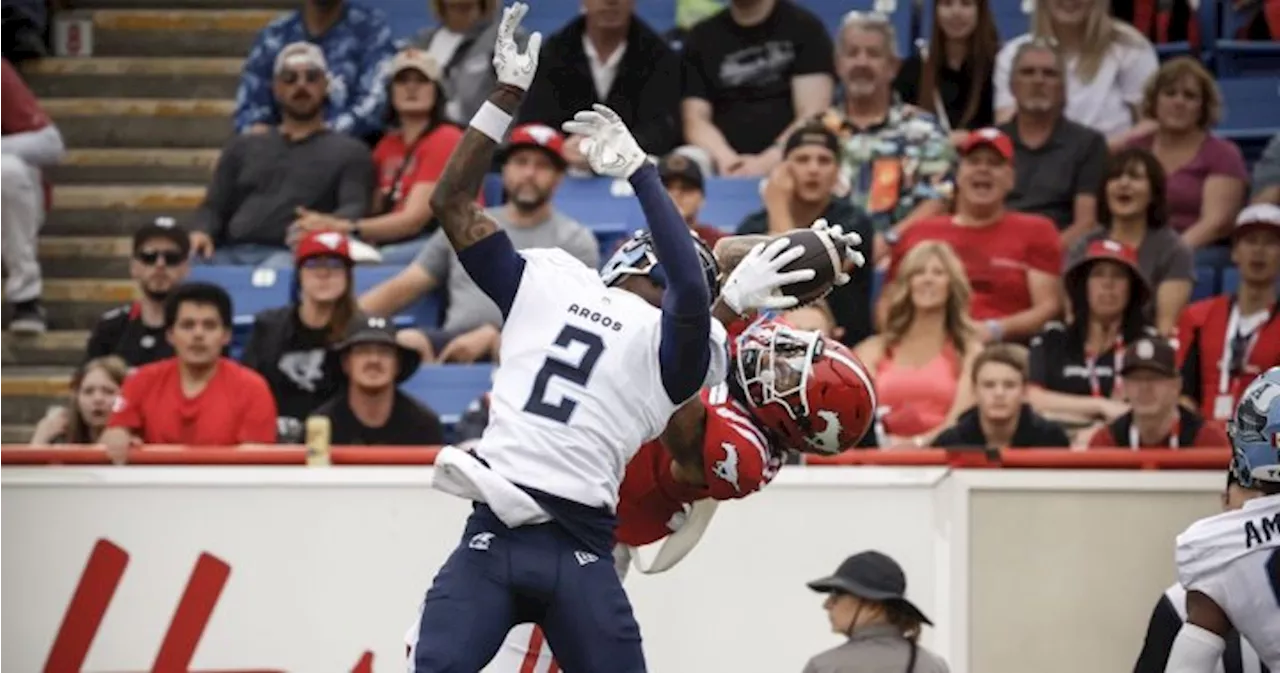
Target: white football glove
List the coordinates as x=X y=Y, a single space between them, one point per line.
x=756 y=281
x=513 y=67
x=849 y=240
x=609 y=147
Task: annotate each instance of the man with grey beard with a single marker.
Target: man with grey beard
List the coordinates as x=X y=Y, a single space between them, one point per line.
x=532 y=166
x=269 y=179
x=135 y=331
x=1060 y=163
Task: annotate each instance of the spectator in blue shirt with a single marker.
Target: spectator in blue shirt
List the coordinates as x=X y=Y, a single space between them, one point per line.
x=355 y=39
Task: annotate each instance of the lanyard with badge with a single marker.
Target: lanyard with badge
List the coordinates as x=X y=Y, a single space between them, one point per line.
x=1095 y=386
x=1236 y=350
x=1135 y=442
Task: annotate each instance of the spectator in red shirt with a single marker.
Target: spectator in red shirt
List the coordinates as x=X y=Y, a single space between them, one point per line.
x=1012 y=259
x=408 y=161
x=31 y=141
x=1156 y=420
x=197 y=397
x=1226 y=341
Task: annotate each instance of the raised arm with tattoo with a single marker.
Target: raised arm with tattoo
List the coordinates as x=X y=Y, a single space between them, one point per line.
x=489 y=259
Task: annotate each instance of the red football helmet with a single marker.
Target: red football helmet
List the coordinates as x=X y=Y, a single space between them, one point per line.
x=811 y=392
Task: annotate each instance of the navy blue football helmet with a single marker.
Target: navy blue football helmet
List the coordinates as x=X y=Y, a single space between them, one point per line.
x=1255 y=432
x=637 y=258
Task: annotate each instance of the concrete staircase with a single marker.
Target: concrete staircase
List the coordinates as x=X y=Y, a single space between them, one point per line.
x=143 y=119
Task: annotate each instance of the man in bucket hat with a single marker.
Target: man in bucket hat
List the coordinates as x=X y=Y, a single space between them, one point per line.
x=370 y=410
x=866 y=602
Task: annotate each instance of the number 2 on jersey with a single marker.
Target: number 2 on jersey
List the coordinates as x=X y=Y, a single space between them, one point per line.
x=578 y=373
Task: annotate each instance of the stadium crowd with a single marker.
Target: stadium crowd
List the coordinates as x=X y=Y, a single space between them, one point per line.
x=1066 y=253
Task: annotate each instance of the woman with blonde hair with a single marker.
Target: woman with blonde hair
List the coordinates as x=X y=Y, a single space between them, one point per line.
x=1108 y=63
x=1207 y=176
x=921 y=361
x=94 y=388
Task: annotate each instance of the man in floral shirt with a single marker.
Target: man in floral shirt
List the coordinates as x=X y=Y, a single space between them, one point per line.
x=897 y=161
x=355 y=39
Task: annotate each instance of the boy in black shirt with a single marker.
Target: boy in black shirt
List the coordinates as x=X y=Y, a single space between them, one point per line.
x=135 y=331
x=370 y=410
x=1001 y=418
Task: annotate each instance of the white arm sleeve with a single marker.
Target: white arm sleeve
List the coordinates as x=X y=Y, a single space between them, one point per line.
x=1195 y=650
x=38 y=148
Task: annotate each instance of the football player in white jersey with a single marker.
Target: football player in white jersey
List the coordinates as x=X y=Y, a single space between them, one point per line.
x=1230 y=563
x=589 y=373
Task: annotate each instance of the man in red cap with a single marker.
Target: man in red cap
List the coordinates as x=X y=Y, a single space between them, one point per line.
x=1012 y=259
x=289 y=344
x=532 y=167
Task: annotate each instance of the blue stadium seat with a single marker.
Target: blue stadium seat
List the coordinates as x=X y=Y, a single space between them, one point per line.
x=831 y=12
x=1234 y=57
x=1230 y=280
x=1206 y=283
x=1011 y=20
x=492 y=190
x=426 y=312
x=448 y=389
x=729 y=201
x=1250 y=105
x=606 y=206
x=252 y=290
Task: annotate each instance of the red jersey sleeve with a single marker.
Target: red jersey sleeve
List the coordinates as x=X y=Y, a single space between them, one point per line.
x=1044 y=249
x=127 y=410
x=735 y=452
x=258 y=421
x=21 y=112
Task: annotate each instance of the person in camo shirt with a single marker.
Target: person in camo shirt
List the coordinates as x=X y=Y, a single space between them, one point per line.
x=355 y=40
x=897 y=163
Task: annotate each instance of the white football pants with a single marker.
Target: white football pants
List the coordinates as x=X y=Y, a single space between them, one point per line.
x=21 y=215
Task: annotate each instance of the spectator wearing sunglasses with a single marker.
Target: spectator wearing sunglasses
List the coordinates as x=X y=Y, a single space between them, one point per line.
x=135 y=331
x=355 y=40
x=265 y=183
x=289 y=345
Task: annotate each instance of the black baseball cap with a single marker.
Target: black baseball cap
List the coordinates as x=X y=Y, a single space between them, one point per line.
x=679 y=167
x=813 y=133
x=166 y=228
x=375 y=330
x=1153 y=354
x=873 y=576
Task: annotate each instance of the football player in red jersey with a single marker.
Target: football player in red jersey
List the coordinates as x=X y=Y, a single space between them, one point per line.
x=789 y=390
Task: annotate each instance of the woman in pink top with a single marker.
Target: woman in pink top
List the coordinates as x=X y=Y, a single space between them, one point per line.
x=1207 y=177
x=921 y=362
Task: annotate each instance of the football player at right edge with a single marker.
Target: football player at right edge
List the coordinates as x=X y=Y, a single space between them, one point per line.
x=1230 y=562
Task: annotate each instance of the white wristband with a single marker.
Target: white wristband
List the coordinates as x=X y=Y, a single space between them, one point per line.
x=491 y=121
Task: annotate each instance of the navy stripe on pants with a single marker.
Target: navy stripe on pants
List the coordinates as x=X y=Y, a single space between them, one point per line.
x=499 y=577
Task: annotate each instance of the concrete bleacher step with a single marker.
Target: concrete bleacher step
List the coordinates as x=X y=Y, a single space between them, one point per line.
x=74 y=256
x=12 y=433
x=156 y=165
x=181 y=32
x=117 y=210
x=134 y=77
x=142 y=122
x=29 y=391
x=56 y=348
x=76 y=304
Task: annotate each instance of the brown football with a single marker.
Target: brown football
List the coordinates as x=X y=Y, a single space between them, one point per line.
x=821 y=255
